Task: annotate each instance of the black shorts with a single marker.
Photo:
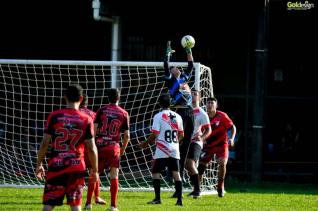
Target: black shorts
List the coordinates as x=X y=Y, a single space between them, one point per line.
x=161 y=163
x=188 y=122
x=194 y=151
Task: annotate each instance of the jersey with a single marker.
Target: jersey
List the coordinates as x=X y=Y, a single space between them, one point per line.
x=201 y=121
x=220 y=123
x=178 y=95
x=69 y=128
x=167 y=125
x=111 y=120
x=89 y=112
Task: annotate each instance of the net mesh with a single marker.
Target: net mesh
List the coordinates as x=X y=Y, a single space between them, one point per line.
x=30 y=90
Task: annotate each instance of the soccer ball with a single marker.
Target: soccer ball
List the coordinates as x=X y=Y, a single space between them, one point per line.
x=187 y=41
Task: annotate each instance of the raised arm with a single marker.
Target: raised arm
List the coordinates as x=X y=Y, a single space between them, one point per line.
x=190 y=61
x=169 y=52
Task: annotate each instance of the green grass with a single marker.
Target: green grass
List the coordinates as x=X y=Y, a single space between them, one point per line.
x=239 y=196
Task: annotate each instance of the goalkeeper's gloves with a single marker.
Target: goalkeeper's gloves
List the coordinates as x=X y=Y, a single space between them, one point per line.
x=188 y=50
x=169 y=50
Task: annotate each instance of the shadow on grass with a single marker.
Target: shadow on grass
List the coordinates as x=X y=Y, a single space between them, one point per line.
x=233 y=185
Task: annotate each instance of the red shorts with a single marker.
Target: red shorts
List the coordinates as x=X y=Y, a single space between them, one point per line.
x=108 y=157
x=70 y=185
x=220 y=152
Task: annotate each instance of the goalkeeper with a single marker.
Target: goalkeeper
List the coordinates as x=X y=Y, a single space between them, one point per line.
x=176 y=80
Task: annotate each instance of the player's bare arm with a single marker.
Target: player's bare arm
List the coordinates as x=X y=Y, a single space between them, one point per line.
x=150 y=140
x=206 y=133
x=233 y=132
x=125 y=142
x=40 y=172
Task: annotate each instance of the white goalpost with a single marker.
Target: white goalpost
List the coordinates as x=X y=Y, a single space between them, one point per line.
x=31 y=89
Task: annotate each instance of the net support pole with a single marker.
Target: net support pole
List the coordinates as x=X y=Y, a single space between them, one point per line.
x=115 y=51
x=115 y=38
x=197 y=76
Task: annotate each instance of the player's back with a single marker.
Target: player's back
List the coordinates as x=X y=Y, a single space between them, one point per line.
x=69 y=128
x=167 y=125
x=111 y=120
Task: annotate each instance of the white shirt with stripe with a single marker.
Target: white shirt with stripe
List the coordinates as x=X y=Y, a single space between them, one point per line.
x=167 y=125
x=201 y=120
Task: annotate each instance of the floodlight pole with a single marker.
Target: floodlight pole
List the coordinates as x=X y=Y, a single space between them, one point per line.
x=115 y=21
x=261 y=52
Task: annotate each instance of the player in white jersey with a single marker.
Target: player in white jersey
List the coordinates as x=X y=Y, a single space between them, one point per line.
x=167 y=130
x=202 y=130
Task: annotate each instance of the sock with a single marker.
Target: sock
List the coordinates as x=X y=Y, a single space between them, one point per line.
x=196 y=183
x=192 y=179
x=113 y=191
x=97 y=189
x=156 y=186
x=90 y=190
x=178 y=187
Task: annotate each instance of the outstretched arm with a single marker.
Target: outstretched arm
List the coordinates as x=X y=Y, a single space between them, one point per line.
x=169 y=52
x=190 y=61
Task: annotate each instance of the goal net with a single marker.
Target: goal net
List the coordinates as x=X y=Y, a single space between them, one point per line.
x=31 y=89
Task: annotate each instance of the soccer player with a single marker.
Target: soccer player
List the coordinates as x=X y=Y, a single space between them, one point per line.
x=218 y=142
x=110 y=120
x=66 y=132
x=202 y=130
x=176 y=81
x=93 y=187
x=167 y=130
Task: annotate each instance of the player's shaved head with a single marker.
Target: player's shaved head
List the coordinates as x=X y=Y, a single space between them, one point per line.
x=74 y=92
x=164 y=100
x=113 y=95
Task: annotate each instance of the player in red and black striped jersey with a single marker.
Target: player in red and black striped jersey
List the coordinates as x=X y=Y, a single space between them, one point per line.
x=93 y=186
x=110 y=121
x=67 y=131
x=217 y=143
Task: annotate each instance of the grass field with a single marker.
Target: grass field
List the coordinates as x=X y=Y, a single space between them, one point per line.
x=240 y=196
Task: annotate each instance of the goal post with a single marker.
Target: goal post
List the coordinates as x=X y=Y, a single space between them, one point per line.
x=31 y=89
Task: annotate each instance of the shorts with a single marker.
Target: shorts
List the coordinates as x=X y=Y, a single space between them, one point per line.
x=108 y=157
x=194 y=151
x=219 y=151
x=160 y=164
x=70 y=184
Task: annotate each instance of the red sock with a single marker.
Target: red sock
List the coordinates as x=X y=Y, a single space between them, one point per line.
x=97 y=190
x=113 y=191
x=90 y=190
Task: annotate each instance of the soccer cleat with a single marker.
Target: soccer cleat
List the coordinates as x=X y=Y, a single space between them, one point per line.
x=191 y=193
x=179 y=203
x=220 y=192
x=100 y=201
x=155 y=201
x=174 y=195
x=111 y=208
x=88 y=207
x=196 y=195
